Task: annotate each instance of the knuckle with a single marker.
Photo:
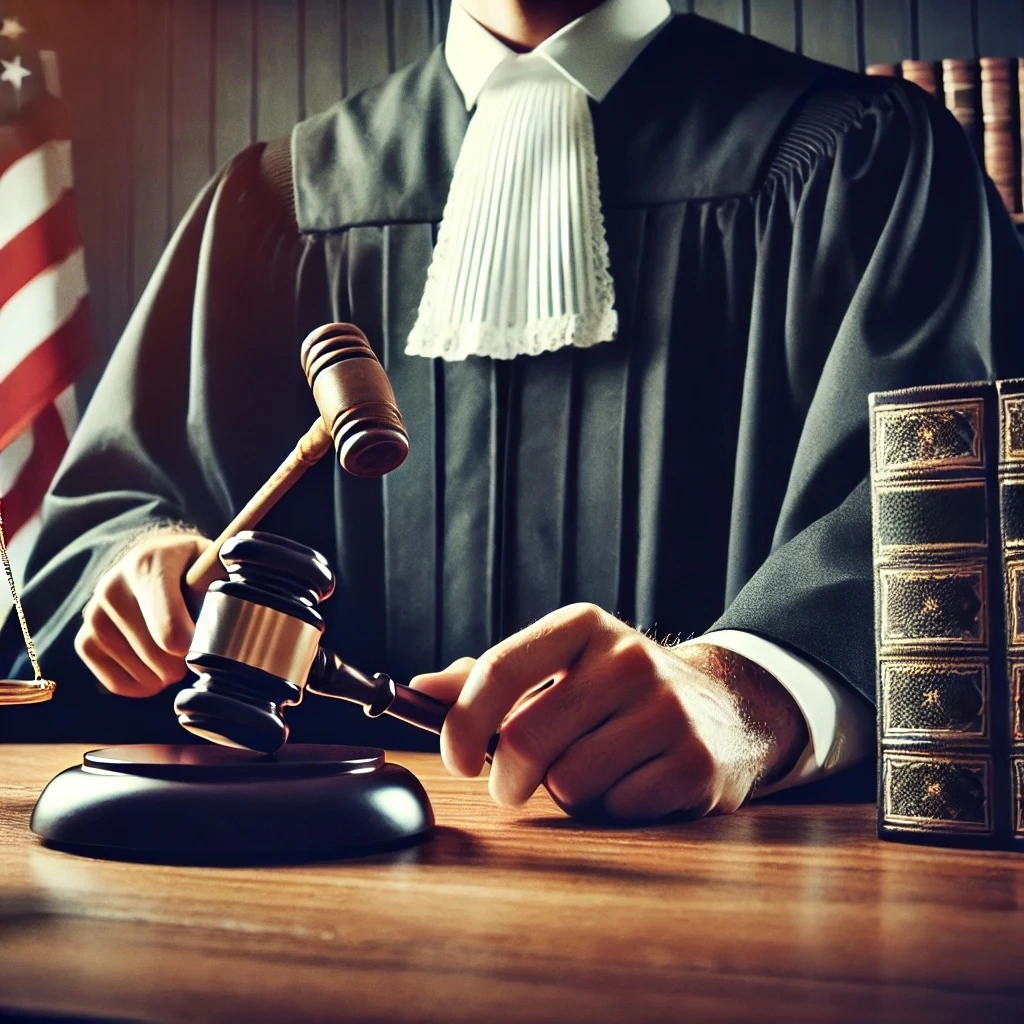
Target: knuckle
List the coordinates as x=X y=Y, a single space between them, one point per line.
x=150 y=556
x=172 y=636
x=496 y=666
x=108 y=581
x=87 y=645
x=144 y=560
x=90 y=613
x=114 y=592
x=634 y=659
x=588 y=615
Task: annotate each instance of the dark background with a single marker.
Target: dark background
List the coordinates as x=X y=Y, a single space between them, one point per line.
x=162 y=92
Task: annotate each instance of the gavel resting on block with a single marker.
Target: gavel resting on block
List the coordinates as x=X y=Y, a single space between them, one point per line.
x=256 y=650
x=358 y=415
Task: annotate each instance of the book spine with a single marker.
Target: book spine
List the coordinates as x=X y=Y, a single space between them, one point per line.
x=937 y=613
x=884 y=70
x=1011 y=508
x=962 y=93
x=923 y=73
x=999 y=116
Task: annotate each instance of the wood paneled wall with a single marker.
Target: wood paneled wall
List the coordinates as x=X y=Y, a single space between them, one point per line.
x=162 y=92
x=855 y=33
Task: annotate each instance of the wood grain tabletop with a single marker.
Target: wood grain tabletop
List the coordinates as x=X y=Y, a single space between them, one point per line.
x=792 y=913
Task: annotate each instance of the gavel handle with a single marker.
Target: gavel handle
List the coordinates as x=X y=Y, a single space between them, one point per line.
x=381 y=695
x=309 y=450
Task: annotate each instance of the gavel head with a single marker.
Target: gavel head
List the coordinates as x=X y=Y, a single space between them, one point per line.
x=255 y=640
x=355 y=399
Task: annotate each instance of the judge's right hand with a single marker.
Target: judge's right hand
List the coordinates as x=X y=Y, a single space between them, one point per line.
x=136 y=627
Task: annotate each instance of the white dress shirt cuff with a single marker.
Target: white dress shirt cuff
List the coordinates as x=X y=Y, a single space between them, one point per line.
x=840 y=722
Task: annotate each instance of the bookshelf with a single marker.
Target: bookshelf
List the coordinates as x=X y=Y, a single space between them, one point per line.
x=986 y=95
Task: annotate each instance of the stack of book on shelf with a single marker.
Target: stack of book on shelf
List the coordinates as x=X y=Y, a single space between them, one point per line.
x=985 y=97
x=947 y=489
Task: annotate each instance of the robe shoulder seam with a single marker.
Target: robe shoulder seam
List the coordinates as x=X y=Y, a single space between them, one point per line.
x=824 y=117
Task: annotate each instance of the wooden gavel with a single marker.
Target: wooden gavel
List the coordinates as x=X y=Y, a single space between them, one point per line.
x=358 y=415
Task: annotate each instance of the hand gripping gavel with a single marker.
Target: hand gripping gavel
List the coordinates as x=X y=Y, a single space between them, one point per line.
x=256 y=650
x=357 y=413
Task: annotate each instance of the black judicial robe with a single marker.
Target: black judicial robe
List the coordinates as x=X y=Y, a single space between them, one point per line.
x=785 y=237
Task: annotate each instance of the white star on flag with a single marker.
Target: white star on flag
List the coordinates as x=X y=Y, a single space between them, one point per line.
x=12 y=28
x=13 y=72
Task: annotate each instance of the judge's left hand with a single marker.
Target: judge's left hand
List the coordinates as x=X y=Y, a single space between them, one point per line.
x=630 y=728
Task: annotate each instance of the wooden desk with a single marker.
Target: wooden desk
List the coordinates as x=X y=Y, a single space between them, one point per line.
x=777 y=913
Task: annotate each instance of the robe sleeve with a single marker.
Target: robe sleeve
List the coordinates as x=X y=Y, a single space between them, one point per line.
x=888 y=261
x=182 y=426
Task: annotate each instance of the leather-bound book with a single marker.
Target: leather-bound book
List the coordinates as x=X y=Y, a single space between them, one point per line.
x=938 y=616
x=923 y=73
x=962 y=93
x=1001 y=135
x=884 y=70
x=1011 y=503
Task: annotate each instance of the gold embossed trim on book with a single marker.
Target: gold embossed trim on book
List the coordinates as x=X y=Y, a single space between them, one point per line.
x=941 y=794
x=940 y=606
x=928 y=699
x=1015 y=599
x=1011 y=439
x=919 y=437
x=1018 y=797
x=1017 y=700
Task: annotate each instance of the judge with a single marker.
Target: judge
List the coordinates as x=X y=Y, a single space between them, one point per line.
x=632 y=276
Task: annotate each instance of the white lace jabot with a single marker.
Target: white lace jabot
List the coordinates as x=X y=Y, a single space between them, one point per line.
x=521 y=261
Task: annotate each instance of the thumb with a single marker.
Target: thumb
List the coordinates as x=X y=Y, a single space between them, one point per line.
x=447 y=684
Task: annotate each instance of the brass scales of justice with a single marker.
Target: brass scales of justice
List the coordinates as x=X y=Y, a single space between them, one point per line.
x=15 y=691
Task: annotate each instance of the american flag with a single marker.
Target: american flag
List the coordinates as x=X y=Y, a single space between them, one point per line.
x=44 y=330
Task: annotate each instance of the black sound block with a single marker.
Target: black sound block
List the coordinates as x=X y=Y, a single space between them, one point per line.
x=219 y=805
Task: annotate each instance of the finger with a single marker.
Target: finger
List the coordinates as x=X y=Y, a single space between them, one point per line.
x=156 y=572
x=120 y=606
x=538 y=733
x=665 y=785
x=447 y=684
x=596 y=762
x=530 y=657
x=108 y=669
x=166 y=615
x=113 y=642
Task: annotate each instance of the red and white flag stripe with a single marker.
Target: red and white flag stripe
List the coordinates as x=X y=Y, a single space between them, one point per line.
x=27 y=466
x=44 y=331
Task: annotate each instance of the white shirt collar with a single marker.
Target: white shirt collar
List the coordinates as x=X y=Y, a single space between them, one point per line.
x=593 y=52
